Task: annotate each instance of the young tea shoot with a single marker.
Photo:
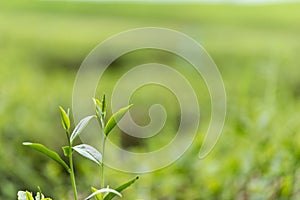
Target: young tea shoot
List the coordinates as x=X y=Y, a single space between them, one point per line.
x=87 y=151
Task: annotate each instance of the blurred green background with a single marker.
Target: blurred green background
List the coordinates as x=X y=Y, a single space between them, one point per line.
x=256 y=48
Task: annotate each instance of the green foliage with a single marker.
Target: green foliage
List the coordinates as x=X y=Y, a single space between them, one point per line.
x=51 y=154
x=100 y=107
x=113 y=120
x=97 y=196
x=256 y=48
x=65 y=118
x=25 y=195
x=120 y=188
x=100 y=110
x=89 y=152
x=66 y=150
x=92 y=154
x=85 y=150
x=104 y=190
x=80 y=126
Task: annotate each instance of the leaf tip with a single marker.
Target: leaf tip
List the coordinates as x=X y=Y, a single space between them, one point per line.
x=26 y=143
x=65 y=119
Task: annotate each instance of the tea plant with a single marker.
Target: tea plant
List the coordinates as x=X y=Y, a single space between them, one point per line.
x=24 y=195
x=85 y=150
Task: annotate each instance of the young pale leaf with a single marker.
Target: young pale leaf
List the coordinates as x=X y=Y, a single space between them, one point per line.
x=65 y=119
x=104 y=190
x=28 y=196
x=23 y=195
x=51 y=154
x=112 y=122
x=80 y=126
x=39 y=196
x=89 y=152
x=97 y=196
x=120 y=188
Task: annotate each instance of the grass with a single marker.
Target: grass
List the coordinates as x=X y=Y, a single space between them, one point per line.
x=42 y=44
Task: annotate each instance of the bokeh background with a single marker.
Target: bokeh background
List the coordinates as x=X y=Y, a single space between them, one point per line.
x=255 y=46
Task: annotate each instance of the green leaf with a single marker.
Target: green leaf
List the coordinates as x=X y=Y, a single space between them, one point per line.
x=104 y=190
x=51 y=154
x=120 y=188
x=89 y=152
x=103 y=106
x=112 y=122
x=80 y=126
x=29 y=196
x=65 y=119
x=98 y=107
x=101 y=110
x=66 y=150
x=97 y=196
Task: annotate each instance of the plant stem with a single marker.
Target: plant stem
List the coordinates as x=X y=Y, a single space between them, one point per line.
x=102 y=163
x=72 y=175
x=102 y=125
